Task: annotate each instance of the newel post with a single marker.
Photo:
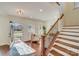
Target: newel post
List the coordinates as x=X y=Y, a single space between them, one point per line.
x=43 y=45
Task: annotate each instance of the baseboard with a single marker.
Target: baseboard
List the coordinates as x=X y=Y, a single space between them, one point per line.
x=36 y=42
x=27 y=41
x=6 y=43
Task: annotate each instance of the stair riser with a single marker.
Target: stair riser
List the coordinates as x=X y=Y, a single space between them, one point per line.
x=69 y=42
x=70 y=31
x=70 y=34
x=69 y=37
x=71 y=27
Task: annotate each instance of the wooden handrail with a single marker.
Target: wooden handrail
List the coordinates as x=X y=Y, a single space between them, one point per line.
x=55 y=24
x=58 y=3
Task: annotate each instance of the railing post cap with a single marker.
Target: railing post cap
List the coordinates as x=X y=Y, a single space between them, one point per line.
x=43 y=35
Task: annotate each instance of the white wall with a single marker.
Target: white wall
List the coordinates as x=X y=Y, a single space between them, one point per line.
x=5 y=27
x=51 y=21
x=4 y=30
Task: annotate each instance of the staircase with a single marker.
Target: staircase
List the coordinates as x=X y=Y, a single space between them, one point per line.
x=66 y=43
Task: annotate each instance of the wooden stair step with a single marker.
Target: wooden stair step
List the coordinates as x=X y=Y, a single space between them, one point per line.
x=59 y=51
x=67 y=47
x=69 y=34
x=69 y=37
x=55 y=53
x=67 y=44
x=70 y=31
x=74 y=30
x=71 y=27
x=66 y=51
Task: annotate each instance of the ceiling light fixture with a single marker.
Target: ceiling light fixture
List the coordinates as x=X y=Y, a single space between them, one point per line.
x=19 y=11
x=41 y=10
x=30 y=16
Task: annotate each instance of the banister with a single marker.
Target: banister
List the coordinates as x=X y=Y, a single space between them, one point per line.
x=54 y=37
x=43 y=51
x=58 y=3
x=55 y=24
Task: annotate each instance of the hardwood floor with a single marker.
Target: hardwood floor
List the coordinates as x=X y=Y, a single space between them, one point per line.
x=5 y=49
x=36 y=46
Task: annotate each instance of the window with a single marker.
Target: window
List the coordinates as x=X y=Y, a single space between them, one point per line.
x=76 y=4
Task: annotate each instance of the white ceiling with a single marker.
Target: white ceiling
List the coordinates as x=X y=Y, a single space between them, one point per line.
x=31 y=9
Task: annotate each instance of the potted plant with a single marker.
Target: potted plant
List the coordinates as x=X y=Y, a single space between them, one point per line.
x=44 y=30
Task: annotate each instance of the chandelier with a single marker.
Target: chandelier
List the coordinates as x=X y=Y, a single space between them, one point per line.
x=19 y=11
